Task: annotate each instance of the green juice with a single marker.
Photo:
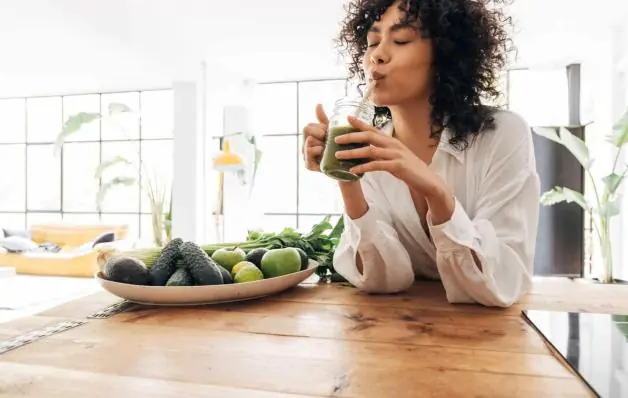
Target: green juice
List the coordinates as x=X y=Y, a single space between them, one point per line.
x=339 y=168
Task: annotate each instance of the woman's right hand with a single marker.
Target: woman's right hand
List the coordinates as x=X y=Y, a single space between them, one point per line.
x=313 y=146
x=314 y=140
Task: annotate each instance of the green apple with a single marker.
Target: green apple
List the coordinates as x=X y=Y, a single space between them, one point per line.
x=247 y=272
x=278 y=262
x=228 y=257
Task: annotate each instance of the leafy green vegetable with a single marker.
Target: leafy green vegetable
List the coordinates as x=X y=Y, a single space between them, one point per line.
x=319 y=244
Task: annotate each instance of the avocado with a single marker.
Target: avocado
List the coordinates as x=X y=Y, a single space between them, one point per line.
x=166 y=263
x=304 y=259
x=255 y=256
x=127 y=270
x=181 y=277
x=226 y=275
x=204 y=270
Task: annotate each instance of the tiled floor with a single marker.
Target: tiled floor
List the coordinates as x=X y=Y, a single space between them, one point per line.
x=23 y=295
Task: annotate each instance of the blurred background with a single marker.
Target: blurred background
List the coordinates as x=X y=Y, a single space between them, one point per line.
x=143 y=94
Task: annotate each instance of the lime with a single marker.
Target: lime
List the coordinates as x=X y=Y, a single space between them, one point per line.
x=228 y=257
x=248 y=273
x=239 y=265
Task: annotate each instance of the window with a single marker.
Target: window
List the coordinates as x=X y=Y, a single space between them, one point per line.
x=299 y=198
x=540 y=96
x=40 y=186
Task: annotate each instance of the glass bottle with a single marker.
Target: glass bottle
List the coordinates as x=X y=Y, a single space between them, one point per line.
x=339 y=169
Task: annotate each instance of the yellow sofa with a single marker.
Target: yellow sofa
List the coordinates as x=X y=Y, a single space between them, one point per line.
x=67 y=262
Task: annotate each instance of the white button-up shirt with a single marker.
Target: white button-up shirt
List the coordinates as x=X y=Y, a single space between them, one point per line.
x=496 y=212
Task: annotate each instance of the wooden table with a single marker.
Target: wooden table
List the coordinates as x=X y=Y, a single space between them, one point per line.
x=314 y=340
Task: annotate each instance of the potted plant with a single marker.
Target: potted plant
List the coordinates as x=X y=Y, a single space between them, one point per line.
x=158 y=193
x=606 y=190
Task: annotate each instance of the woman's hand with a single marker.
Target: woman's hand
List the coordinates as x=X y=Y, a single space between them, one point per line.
x=314 y=140
x=387 y=153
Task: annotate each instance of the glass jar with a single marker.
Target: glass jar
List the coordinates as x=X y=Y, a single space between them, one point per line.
x=339 y=169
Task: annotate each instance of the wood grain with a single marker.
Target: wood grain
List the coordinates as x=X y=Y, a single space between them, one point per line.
x=314 y=340
x=43 y=381
x=286 y=364
x=376 y=324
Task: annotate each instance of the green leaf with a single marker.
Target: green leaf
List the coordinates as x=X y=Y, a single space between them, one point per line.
x=551 y=133
x=338 y=229
x=321 y=227
x=611 y=208
x=116 y=107
x=71 y=126
x=612 y=182
x=619 y=136
x=562 y=194
x=106 y=187
x=109 y=163
x=577 y=147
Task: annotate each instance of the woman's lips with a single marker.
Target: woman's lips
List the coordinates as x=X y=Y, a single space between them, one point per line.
x=376 y=76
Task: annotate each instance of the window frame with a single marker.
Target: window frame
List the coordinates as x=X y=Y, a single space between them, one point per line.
x=100 y=141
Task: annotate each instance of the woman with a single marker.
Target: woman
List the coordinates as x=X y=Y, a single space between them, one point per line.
x=451 y=189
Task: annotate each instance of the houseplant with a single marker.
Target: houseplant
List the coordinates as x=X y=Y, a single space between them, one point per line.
x=158 y=192
x=607 y=195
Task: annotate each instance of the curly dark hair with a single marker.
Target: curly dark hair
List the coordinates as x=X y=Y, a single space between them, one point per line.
x=470 y=45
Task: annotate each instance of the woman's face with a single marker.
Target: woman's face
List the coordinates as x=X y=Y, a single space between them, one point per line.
x=398 y=60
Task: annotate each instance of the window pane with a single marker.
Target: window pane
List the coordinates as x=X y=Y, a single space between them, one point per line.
x=12 y=121
x=42 y=218
x=275 y=109
x=157 y=114
x=277 y=179
x=121 y=126
x=43 y=178
x=307 y=222
x=44 y=119
x=131 y=220
x=540 y=96
x=158 y=162
x=278 y=223
x=74 y=104
x=81 y=219
x=146 y=229
x=12 y=188
x=121 y=198
x=317 y=192
x=13 y=220
x=80 y=161
x=312 y=93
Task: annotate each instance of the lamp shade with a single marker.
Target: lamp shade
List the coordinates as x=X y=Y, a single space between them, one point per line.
x=227 y=160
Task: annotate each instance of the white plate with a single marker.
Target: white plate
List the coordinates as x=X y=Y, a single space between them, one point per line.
x=209 y=294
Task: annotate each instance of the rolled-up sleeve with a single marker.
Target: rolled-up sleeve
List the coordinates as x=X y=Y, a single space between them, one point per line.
x=386 y=265
x=502 y=233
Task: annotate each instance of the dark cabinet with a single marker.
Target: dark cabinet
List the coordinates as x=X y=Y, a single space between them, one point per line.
x=561 y=234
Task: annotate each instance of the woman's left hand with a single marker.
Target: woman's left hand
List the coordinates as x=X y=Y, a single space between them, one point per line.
x=387 y=153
